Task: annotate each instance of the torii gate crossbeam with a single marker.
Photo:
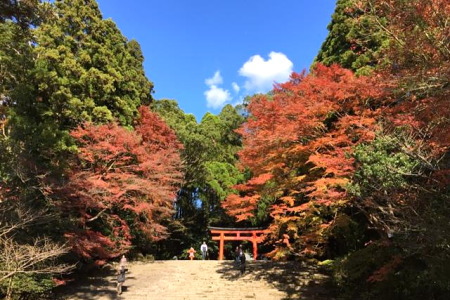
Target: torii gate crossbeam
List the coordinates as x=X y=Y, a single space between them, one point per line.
x=222 y=234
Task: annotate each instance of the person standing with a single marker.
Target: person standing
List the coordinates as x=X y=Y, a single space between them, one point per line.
x=204 y=250
x=191 y=252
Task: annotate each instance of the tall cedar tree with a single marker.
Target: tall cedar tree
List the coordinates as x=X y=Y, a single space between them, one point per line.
x=122 y=186
x=297 y=144
x=355 y=40
x=17 y=18
x=85 y=70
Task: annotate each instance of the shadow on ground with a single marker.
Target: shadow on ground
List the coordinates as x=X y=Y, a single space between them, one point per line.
x=101 y=283
x=299 y=280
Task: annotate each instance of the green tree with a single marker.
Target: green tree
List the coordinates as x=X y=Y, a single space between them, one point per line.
x=355 y=38
x=221 y=144
x=384 y=169
x=209 y=154
x=16 y=59
x=84 y=70
x=22 y=12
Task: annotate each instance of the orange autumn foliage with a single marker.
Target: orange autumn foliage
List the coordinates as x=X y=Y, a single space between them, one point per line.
x=420 y=66
x=302 y=136
x=124 y=181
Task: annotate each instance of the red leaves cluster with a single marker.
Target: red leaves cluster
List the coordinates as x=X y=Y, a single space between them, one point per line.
x=299 y=140
x=123 y=180
x=420 y=56
x=420 y=35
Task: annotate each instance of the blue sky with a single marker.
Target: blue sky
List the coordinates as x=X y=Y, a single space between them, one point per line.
x=208 y=53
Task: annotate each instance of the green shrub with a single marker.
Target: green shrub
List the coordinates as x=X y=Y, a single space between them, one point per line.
x=25 y=286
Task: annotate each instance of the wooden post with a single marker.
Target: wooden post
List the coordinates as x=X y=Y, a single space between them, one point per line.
x=255 y=246
x=221 y=244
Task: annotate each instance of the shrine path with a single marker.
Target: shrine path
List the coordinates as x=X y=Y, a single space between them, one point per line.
x=212 y=280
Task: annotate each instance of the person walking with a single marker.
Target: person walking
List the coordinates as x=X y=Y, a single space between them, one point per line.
x=120 y=279
x=123 y=262
x=204 y=250
x=242 y=262
x=237 y=253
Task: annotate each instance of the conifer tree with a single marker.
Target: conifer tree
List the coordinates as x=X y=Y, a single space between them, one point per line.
x=355 y=38
x=85 y=70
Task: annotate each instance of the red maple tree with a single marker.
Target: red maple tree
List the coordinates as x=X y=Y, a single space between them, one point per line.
x=123 y=182
x=297 y=143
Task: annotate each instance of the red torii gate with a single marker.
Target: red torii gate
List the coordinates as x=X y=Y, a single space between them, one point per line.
x=221 y=234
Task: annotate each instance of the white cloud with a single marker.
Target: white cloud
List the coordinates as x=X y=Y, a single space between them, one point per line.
x=215 y=80
x=262 y=74
x=235 y=87
x=216 y=97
